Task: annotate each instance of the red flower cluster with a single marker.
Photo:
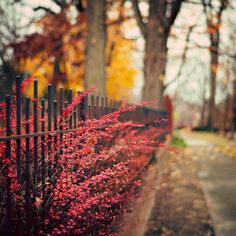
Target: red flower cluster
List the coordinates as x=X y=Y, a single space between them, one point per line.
x=96 y=171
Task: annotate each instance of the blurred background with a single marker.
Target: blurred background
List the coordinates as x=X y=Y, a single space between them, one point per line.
x=179 y=52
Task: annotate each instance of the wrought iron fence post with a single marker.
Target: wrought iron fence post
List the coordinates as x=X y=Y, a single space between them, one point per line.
x=8 y=222
x=43 y=167
x=35 y=138
x=49 y=129
x=18 y=127
x=27 y=166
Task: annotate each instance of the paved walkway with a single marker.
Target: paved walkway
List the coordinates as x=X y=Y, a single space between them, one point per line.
x=217 y=173
x=179 y=207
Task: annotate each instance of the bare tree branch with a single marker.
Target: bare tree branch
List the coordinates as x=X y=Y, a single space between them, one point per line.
x=230 y=5
x=61 y=3
x=48 y=10
x=139 y=19
x=184 y=56
x=79 y=6
x=175 y=8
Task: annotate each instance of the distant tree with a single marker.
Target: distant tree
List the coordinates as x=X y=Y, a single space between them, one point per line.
x=56 y=53
x=161 y=18
x=234 y=105
x=8 y=33
x=233 y=58
x=213 y=15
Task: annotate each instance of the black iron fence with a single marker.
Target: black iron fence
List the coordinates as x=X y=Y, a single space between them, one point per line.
x=33 y=123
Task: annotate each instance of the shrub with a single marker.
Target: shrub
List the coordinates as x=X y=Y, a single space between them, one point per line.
x=92 y=172
x=178 y=142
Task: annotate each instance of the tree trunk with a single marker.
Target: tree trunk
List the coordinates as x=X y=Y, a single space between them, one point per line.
x=155 y=59
x=202 y=121
x=214 y=67
x=214 y=35
x=162 y=15
x=226 y=115
x=95 y=48
x=203 y=110
x=234 y=108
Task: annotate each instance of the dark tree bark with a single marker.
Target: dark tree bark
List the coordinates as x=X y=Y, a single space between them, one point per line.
x=162 y=15
x=155 y=56
x=95 y=48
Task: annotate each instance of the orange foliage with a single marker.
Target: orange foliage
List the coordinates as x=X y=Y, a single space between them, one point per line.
x=121 y=72
x=56 y=55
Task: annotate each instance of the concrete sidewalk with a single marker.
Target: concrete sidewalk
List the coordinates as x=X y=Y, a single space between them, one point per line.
x=180 y=207
x=217 y=173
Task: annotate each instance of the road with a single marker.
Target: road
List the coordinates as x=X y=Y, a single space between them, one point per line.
x=217 y=173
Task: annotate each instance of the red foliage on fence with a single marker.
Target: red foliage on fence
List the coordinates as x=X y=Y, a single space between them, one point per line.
x=95 y=170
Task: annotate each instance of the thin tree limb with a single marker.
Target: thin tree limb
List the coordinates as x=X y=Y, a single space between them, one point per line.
x=138 y=17
x=48 y=10
x=79 y=5
x=175 y=8
x=184 y=56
